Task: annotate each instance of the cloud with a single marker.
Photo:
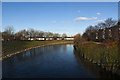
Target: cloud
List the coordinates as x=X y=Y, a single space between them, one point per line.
x=98 y=13
x=54 y=21
x=78 y=11
x=98 y=21
x=84 y=18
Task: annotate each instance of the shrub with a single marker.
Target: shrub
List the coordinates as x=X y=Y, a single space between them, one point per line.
x=107 y=43
x=115 y=44
x=77 y=39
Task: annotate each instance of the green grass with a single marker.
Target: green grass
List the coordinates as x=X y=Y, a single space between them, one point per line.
x=14 y=46
x=108 y=58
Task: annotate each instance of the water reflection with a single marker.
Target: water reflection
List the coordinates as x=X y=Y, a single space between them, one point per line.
x=33 y=53
x=58 y=61
x=43 y=57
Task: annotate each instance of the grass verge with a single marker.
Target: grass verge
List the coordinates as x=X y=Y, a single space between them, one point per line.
x=108 y=58
x=16 y=46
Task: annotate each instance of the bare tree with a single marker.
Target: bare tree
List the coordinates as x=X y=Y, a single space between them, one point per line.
x=20 y=35
x=101 y=25
x=41 y=34
x=8 y=33
x=9 y=30
x=31 y=31
x=90 y=33
x=110 y=22
x=96 y=27
x=55 y=35
x=50 y=34
x=100 y=30
x=64 y=35
x=77 y=39
x=36 y=33
x=45 y=34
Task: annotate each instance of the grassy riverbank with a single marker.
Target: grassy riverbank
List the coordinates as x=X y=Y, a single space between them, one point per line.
x=15 y=46
x=106 y=57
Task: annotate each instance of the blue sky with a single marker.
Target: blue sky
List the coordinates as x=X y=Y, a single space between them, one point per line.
x=59 y=17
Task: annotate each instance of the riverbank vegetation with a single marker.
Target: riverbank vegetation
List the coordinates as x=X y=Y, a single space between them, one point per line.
x=105 y=53
x=107 y=58
x=15 y=46
x=15 y=42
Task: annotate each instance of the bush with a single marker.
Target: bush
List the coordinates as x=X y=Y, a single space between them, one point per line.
x=77 y=39
x=115 y=44
x=107 y=43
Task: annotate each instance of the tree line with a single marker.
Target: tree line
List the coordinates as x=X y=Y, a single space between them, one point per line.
x=108 y=29
x=9 y=34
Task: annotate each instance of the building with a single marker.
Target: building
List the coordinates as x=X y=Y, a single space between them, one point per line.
x=50 y=38
x=69 y=38
x=108 y=33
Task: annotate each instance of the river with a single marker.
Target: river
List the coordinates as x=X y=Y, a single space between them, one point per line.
x=56 y=61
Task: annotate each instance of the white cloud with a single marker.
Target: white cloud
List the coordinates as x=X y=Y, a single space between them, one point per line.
x=78 y=11
x=98 y=21
x=54 y=21
x=84 y=18
x=98 y=13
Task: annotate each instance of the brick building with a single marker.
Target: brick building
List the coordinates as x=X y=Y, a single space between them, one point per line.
x=108 y=33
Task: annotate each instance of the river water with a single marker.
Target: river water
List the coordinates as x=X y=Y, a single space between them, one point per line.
x=56 y=61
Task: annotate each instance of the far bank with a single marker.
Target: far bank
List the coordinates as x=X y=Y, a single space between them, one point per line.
x=15 y=47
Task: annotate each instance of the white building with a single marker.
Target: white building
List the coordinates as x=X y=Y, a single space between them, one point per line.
x=69 y=38
x=96 y=35
x=40 y=39
x=59 y=38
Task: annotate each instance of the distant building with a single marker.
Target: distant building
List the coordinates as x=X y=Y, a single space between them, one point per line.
x=50 y=38
x=60 y=38
x=69 y=38
x=40 y=39
x=96 y=35
x=108 y=33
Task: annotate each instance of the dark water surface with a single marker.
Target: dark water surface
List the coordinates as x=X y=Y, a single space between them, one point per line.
x=57 y=61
